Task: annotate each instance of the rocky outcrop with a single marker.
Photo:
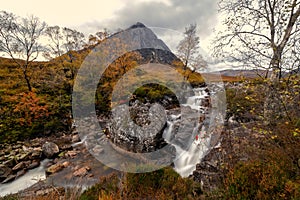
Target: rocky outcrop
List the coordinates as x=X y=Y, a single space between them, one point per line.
x=141 y=130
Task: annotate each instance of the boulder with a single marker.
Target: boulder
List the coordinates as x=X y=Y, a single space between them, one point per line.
x=138 y=129
x=50 y=149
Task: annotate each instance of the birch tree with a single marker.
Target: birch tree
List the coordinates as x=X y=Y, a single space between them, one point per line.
x=64 y=44
x=19 y=40
x=262 y=34
x=188 y=50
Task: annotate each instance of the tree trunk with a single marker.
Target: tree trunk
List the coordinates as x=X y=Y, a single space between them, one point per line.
x=272 y=104
x=275 y=65
x=27 y=80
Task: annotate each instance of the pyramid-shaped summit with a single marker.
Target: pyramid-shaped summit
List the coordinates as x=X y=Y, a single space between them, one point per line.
x=144 y=36
x=137 y=25
x=146 y=42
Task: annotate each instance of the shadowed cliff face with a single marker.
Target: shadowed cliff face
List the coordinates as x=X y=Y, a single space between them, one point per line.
x=145 y=37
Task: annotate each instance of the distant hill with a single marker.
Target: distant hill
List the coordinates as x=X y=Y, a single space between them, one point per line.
x=244 y=73
x=254 y=73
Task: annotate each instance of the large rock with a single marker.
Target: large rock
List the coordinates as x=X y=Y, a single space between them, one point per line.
x=141 y=130
x=50 y=149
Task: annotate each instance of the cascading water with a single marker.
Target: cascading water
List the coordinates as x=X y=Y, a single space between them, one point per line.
x=31 y=177
x=186 y=160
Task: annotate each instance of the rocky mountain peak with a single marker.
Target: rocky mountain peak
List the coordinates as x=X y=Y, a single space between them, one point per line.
x=137 y=25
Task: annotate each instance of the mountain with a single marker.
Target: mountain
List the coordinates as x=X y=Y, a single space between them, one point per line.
x=145 y=37
x=148 y=45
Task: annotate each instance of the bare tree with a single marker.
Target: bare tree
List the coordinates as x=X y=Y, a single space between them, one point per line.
x=63 y=45
x=188 y=50
x=19 y=39
x=261 y=33
x=98 y=37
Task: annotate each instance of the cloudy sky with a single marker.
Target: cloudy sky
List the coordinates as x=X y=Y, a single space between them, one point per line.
x=89 y=16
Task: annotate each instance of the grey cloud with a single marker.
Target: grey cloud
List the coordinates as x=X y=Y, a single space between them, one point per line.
x=176 y=16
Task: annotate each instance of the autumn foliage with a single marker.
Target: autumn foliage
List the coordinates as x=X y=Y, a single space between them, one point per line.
x=30 y=108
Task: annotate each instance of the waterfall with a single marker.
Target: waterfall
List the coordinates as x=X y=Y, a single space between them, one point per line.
x=186 y=160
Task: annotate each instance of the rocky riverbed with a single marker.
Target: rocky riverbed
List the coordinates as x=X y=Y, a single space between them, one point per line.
x=70 y=164
x=17 y=159
x=61 y=161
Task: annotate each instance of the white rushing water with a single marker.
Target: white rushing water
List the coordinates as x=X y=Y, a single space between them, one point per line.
x=186 y=160
x=31 y=177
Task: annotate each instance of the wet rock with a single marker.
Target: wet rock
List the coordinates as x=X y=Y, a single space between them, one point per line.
x=9 y=179
x=18 y=166
x=9 y=162
x=7 y=150
x=98 y=149
x=5 y=172
x=50 y=149
x=18 y=146
x=208 y=174
x=82 y=171
x=20 y=173
x=23 y=156
x=45 y=192
x=36 y=154
x=71 y=154
x=66 y=164
x=34 y=164
x=66 y=147
x=55 y=168
x=75 y=138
